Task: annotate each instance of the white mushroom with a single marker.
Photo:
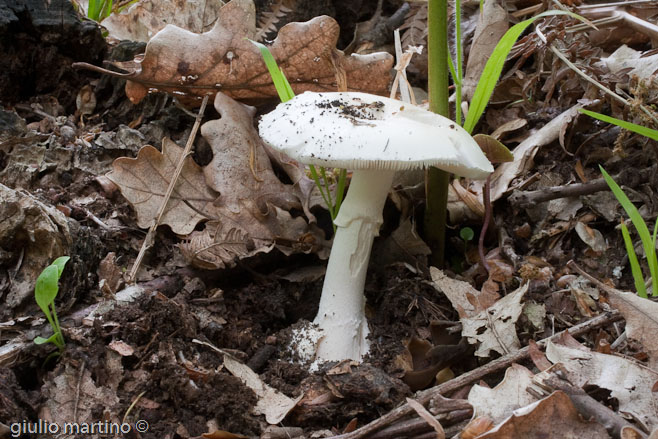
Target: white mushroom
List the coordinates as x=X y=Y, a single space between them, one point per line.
x=374 y=137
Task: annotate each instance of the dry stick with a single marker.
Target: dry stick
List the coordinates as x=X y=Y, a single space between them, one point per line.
x=582 y=74
x=450 y=386
x=524 y=199
x=460 y=410
x=77 y=391
x=607 y=288
x=150 y=236
x=530 y=198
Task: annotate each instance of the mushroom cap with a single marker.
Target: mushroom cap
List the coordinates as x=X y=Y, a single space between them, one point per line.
x=363 y=131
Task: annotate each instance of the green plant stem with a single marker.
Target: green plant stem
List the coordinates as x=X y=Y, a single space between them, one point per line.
x=437 y=180
x=58 y=329
x=457 y=78
x=486 y=194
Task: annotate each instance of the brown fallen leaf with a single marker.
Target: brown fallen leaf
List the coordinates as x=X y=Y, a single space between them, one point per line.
x=221 y=434
x=223 y=59
x=641 y=317
x=237 y=193
x=553 y=417
x=468 y=301
x=627 y=381
x=240 y=169
x=492 y=25
x=144 y=181
x=494 y=328
x=510 y=394
x=145 y=18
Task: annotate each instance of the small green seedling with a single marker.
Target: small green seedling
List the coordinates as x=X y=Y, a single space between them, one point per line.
x=286 y=93
x=466 y=234
x=45 y=292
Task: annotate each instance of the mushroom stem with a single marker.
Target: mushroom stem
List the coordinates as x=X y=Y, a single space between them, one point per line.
x=341 y=315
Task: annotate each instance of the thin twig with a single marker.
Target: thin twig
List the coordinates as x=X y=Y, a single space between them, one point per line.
x=77 y=391
x=456 y=383
x=132 y=405
x=587 y=78
x=150 y=236
x=524 y=199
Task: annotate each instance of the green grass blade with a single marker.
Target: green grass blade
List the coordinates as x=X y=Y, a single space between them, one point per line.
x=638 y=277
x=107 y=11
x=638 y=129
x=640 y=226
x=340 y=189
x=93 y=9
x=316 y=179
x=629 y=207
x=280 y=81
x=494 y=67
x=653 y=263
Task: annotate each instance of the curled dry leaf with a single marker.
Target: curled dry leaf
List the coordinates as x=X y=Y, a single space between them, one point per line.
x=468 y=301
x=494 y=328
x=39 y=231
x=641 y=317
x=553 y=417
x=492 y=25
x=510 y=394
x=237 y=193
x=627 y=381
x=271 y=403
x=223 y=59
x=240 y=169
x=525 y=152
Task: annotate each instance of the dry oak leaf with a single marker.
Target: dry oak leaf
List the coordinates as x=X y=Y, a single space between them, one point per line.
x=468 y=301
x=494 y=328
x=629 y=382
x=641 y=317
x=240 y=171
x=144 y=181
x=145 y=18
x=223 y=59
x=237 y=193
x=250 y=213
x=553 y=417
x=510 y=394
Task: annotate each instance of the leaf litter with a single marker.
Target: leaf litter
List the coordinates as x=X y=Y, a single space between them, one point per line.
x=242 y=202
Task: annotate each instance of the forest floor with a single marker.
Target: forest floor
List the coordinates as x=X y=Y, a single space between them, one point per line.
x=168 y=351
